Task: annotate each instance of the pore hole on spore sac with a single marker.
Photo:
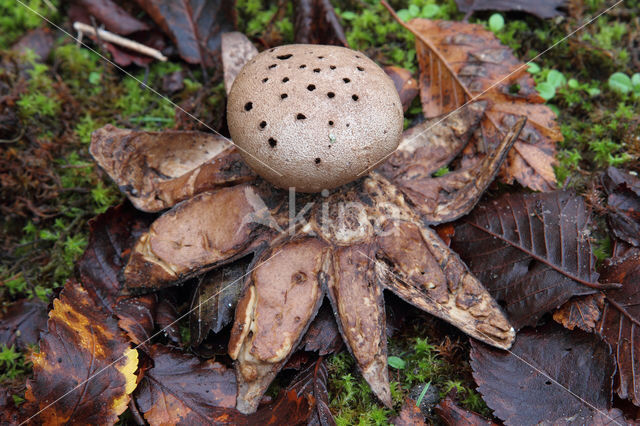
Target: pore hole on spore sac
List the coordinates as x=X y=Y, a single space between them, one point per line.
x=263 y=124
x=354 y=97
x=283 y=57
x=273 y=142
x=300 y=116
x=248 y=106
x=330 y=95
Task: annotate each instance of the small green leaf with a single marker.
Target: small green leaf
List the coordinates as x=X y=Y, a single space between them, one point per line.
x=348 y=15
x=556 y=79
x=546 y=91
x=620 y=82
x=573 y=83
x=397 y=363
x=496 y=22
x=593 y=91
x=533 y=68
x=404 y=15
x=414 y=10
x=422 y=394
x=635 y=80
x=95 y=77
x=430 y=11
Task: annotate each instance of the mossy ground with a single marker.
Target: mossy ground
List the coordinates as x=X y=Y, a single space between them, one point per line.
x=50 y=188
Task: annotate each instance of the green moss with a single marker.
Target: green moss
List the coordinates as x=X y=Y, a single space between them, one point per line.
x=41 y=98
x=16 y=19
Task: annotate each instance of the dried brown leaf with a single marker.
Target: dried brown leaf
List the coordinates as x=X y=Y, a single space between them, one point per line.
x=620 y=322
x=461 y=61
x=194 y=26
x=316 y=23
x=136 y=316
x=156 y=170
x=323 y=335
x=543 y=9
x=454 y=415
x=530 y=383
x=410 y=415
x=83 y=341
x=406 y=85
x=582 y=312
x=531 y=251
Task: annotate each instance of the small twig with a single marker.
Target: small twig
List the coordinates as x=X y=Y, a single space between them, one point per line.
x=14 y=140
x=120 y=41
x=97 y=32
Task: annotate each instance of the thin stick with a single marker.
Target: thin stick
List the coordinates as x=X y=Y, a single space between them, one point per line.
x=110 y=37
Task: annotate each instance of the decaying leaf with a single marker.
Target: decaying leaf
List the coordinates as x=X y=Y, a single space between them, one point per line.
x=214 y=299
x=316 y=23
x=623 y=204
x=410 y=415
x=136 y=317
x=528 y=385
x=620 y=322
x=112 y=234
x=313 y=381
x=181 y=387
x=114 y=17
x=167 y=320
x=194 y=26
x=532 y=252
x=237 y=50
x=460 y=62
x=406 y=85
x=454 y=415
x=323 y=335
x=543 y=9
x=83 y=341
x=284 y=293
x=582 y=312
x=156 y=170
x=22 y=322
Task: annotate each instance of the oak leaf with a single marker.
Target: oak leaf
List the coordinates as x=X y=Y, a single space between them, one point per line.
x=582 y=312
x=550 y=375
x=460 y=62
x=531 y=251
x=84 y=371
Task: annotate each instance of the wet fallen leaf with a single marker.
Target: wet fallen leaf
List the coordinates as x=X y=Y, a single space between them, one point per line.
x=316 y=23
x=22 y=322
x=582 y=312
x=531 y=251
x=460 y=61
x=84 y=371
x=182 y=389
x=158 y=169
x=214 y=299
x=166 y=319
x=623 y=203
x=530 y=384
x=410 y=415
x=406 y=85
x=112 y=234
x=194 y=26
x=542 y=9
x=620 y=322
x=323 y=335
x=237 y=50
x=454 y=415
x=136 y=317
x=313 y=381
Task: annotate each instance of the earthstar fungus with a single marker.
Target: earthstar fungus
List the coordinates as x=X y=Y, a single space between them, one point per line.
x=350 y=243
